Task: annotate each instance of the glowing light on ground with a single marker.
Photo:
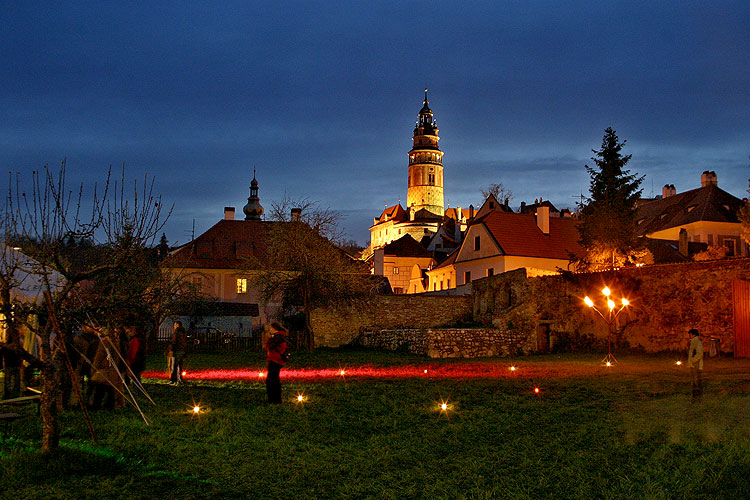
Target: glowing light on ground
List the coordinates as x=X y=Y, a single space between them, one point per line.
x=301 y=398
x=444 y=406
x=512 y=368
x=537 y=390
x=196 y=409
x=678 y=363
x=608 y=363
x=184 y=373
x=342 y=373
x=473 y=370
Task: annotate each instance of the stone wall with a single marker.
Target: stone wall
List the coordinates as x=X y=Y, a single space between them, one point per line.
x=666 y=300
x=451 y=342
x=340 y=324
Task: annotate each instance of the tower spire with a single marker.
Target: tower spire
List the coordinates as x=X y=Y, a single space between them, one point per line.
x=253 y=210
x=426 y=165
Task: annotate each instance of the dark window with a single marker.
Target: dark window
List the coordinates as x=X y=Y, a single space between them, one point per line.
x=477 y=244
x=490 y=271
x=730 y=247
x=467 y=277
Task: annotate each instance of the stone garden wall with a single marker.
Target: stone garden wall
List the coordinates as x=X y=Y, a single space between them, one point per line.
x=666 y=300
x=451 y=342
x=340 y=324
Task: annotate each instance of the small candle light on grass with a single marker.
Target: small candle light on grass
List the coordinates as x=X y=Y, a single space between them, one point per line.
x=608 y=363
x=196 y=409
x=678 y=363
x=301 y=398
x=342 y=372
x=444 y=406
x=425 y=371
x=537 y=390
x=512 y=368
x=184 y=373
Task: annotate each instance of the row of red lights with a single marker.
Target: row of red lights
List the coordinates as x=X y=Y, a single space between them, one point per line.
x=447 y=371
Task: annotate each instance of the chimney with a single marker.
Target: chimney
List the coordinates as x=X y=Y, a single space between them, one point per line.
x=296 y=215
x=709 y=179
x=668 y=190
x=542 y=219
x=228 y=213
x=683 y=244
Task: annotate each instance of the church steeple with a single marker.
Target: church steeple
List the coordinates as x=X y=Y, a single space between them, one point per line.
x=426 y=165
x=253 y=210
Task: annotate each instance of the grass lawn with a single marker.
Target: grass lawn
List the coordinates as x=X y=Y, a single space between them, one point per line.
x=629 y=431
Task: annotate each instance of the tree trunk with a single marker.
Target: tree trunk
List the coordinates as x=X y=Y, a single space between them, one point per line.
x=309 y=338
x=50 y=417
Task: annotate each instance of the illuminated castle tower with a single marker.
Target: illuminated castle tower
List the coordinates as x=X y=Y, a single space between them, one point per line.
x=425 y=166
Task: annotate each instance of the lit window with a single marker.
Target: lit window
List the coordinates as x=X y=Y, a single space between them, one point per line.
x=241 y=285
x=395 y=270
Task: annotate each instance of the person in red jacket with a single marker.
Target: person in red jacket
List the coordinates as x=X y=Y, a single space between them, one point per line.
x=277 y=356
x=137 y=352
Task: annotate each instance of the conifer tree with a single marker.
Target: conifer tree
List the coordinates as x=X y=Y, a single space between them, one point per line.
x=607 y=225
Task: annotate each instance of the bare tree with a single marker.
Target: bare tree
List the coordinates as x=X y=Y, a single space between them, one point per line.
x=324 y=221
x=303 y=267
x=41 y=221
x=501 y=193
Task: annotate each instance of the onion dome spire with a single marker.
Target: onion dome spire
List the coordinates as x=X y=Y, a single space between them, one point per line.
x=426 y=123
x=253 y=210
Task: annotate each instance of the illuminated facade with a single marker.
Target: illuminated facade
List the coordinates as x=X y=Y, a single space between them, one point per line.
x=425 y=166
x=425 y=206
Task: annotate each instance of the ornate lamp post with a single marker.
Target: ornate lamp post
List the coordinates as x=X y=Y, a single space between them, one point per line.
x=609 y=316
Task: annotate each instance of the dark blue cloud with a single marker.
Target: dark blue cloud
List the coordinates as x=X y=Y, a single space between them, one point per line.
x=320 y=97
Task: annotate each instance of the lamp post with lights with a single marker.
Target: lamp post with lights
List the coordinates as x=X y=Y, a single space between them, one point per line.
x=609 y=316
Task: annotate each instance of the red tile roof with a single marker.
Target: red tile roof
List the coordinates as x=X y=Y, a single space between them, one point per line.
x=228 y=244
x=396 y=212
x=518 y=234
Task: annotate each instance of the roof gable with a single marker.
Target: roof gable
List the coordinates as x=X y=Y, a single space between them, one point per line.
x=519 y=235
x=406 y=246
x=708 y=203
x=228 y=244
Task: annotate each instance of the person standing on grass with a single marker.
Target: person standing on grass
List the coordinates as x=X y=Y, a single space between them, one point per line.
x=137 y=352
x=695 y=361
x=277 y=355
x=178 y=351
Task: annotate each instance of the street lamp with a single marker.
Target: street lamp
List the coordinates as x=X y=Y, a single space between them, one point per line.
x=609 y=315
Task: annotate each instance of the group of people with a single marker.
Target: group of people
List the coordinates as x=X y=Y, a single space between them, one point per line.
x=103 y=362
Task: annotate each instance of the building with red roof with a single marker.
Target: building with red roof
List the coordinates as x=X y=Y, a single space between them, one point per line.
x=502 y=241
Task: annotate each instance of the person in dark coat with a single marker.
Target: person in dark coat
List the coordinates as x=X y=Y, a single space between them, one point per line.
x=277 y=355
x=137 y=352
x=178 y=351
x=104 y=375
x=85 y=344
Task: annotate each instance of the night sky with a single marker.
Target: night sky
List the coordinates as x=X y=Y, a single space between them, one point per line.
x=321 y=97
